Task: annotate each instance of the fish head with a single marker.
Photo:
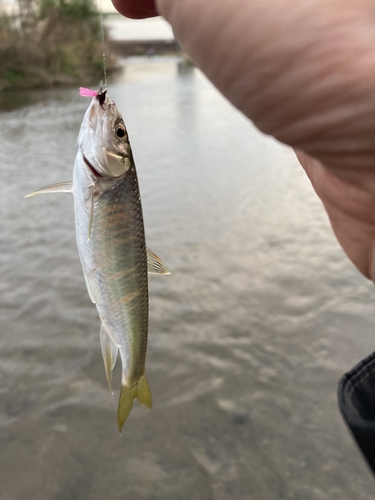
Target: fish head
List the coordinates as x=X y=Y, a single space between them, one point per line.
x=103 y=138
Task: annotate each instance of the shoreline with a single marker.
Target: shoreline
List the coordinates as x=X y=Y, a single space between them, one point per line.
x=62 y=45
x=33 y=78
x=130 y=48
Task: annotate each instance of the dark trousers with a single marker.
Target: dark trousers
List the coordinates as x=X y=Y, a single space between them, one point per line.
x=356 y=397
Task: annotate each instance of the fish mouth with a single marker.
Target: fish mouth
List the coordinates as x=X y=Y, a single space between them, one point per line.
x=90 y=166
x=101 y=96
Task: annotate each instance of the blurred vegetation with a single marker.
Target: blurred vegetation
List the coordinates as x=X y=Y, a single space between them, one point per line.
x=59 y=42
x=76 y=9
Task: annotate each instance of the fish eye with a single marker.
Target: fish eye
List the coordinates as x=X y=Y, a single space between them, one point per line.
x=120 y=131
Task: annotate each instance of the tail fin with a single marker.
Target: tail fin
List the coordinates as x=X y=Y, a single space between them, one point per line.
x=140 y=391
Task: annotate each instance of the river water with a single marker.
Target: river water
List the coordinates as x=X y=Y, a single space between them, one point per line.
x=248 y=336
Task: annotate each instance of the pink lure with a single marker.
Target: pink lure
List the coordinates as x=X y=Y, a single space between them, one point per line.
x=87 y=92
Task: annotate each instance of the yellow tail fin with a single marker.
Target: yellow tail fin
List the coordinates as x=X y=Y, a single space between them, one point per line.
x=140 y=391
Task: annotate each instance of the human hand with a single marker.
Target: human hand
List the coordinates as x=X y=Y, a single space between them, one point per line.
x=304 y=72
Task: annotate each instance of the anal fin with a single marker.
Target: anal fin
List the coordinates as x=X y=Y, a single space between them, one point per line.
x=109 y=351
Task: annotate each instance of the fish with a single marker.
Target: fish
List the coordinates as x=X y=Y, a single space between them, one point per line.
x=111 y=244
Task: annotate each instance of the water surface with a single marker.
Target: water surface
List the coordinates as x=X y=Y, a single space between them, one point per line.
x=248 y=337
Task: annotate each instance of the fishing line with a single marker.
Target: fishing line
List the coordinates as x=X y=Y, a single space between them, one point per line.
x=103 y=43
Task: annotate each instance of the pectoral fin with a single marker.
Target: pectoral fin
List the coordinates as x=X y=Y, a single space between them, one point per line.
x=90 y=210
x=60 y=187
x=109 y=351
x=155 y=265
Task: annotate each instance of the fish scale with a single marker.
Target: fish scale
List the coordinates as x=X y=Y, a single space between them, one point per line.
x=113 y=256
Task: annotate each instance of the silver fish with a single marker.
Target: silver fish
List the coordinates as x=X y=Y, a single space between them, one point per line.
x=111 y=245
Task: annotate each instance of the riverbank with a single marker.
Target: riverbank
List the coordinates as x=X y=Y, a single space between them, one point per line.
x=59 y=47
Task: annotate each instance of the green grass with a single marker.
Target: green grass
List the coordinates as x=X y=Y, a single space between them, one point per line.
x=14 y=76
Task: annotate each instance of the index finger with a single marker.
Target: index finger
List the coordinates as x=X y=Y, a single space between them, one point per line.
x=136 y=9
